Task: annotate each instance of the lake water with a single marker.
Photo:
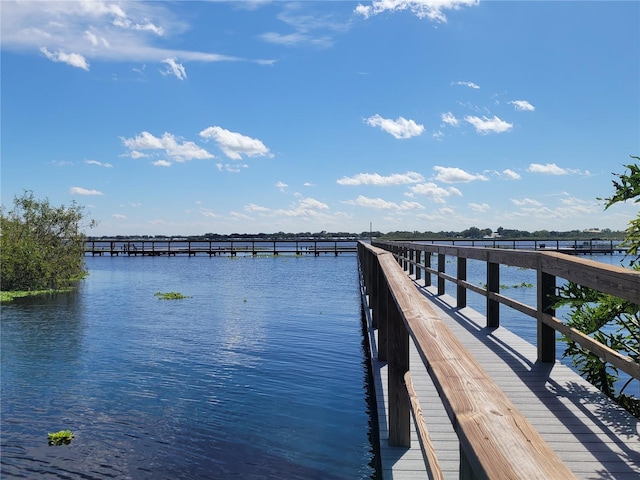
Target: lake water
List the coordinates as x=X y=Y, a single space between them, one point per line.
x=259 y=375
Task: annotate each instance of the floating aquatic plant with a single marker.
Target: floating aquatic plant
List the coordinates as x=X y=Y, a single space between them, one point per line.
x=170 y=296
x=63 y=437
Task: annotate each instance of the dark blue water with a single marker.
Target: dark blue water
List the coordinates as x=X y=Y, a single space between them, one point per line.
x=259 y=375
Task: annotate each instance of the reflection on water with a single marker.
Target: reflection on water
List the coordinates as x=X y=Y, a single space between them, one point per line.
x=258 y=375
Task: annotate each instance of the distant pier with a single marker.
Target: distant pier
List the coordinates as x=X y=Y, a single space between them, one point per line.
x=156 y=248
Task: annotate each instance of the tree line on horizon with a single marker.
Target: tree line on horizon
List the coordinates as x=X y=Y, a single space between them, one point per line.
x=469 y=233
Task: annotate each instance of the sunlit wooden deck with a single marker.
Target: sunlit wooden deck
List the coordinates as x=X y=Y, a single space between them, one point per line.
x=592 y=436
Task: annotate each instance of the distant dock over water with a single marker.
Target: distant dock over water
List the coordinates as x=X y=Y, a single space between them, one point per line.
x=144 y=247
x=323 y=246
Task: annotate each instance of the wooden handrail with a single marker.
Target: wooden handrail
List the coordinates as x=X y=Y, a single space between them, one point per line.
x=618 y=281
x=496 y=440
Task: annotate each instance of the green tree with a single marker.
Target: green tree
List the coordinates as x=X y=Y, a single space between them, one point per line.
x=41 y=246
x=610 y=320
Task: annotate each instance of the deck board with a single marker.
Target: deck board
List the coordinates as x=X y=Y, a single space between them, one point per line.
x=594 y=437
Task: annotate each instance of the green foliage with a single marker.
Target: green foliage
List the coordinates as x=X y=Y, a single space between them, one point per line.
x=63 y=437
x=628 y=188
x=170 y=296
x=41 y=246
x=610 y=320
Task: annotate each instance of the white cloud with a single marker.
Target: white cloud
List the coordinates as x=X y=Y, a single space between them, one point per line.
x=306 y=207
x=510 y=174
x=450 y=119
x=526 y=202
x=73 y=59
x=119 y=216
x=549 y=169
x=456 y=175
x=400 y=128
x=175 y=68
x=281 y=186
x=97 y=30
x=479 y=207
x=179 y=151
x=430 y=9
x=83 y=191
x=162 y=163
x=467 y=84
x=486 y=125
x=523 y=105
x=256 y=208
x=434 y=192
x=380 y=204
x=376 y=179
x=234 y=144
x=100 y=164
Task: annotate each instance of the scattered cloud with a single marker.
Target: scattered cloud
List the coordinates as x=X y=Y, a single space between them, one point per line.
x=379 y=180
x=510 y=174
x=119 y=216
x=430 y=9
x=486 y=125
x=175 y=68
x=162 y=163
x=522 y=105
x=380 y=204
x=309 y=27
x=479 y=207
x=401 y=128
x=174 y=148
x=74 y=32
x=433 y=191
x=84 y=191
x=548 y=169
x=73 y=59
x=281 y=186
x=100 y=164
x=256 y=208
x=235 y=145
x=305 y=207
x=449 y=118
x=456 y=175
x=526 y=202
x=467 y=84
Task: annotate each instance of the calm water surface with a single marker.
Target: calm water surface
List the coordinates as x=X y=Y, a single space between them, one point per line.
x=260 y=374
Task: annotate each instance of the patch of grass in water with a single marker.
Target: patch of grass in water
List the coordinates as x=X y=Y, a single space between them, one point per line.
x=170 y=296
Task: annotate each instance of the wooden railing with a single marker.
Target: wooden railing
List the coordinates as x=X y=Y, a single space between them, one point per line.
x=496 y=440
x=618 y=281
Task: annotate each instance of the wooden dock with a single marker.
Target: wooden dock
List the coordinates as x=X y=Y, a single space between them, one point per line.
x=212 y=248
x=593 y=437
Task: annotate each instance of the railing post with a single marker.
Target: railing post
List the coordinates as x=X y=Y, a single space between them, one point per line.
x=397 y=366
x=384 y=301
x=418 y=264
x=441 y=264
x=461 y=292
x=373 y=290
x=427 y=264
x=493 y=285
x=546 y=334
x=410 y=262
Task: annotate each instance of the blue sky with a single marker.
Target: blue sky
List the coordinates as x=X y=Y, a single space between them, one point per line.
x=263 y=116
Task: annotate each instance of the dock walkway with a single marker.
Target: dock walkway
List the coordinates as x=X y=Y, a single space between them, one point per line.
x=595 y=438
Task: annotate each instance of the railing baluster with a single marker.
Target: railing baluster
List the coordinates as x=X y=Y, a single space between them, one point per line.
x=397 y=366
x=461 y=292
x=441 y=268
x=546 y=334
x=493 y=285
